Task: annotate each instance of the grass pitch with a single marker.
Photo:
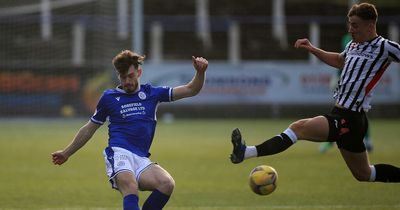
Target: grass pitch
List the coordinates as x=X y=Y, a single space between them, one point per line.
x=196 y=153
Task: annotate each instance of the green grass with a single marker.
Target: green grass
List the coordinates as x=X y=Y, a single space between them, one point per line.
x=195 y=152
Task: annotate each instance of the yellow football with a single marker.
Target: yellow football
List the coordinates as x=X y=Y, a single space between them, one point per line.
x=263 y=180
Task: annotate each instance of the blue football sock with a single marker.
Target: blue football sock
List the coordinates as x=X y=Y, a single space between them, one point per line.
x=131 y=202
x=155 y=201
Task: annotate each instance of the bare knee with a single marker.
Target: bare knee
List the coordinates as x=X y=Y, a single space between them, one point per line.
x=166 y=185
x=298 y=127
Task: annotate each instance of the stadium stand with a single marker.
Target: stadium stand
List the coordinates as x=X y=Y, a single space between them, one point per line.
x=24 y=51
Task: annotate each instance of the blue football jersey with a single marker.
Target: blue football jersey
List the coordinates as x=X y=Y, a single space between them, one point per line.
x=132 y=116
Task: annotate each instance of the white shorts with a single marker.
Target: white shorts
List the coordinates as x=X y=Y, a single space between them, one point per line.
x=118 y=160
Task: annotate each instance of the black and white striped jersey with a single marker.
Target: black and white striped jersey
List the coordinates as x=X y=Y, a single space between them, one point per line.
x=364 y=65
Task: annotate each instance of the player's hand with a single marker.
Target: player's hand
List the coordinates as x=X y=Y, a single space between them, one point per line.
x=59 y=157
x=303 y=43
x=200 y=64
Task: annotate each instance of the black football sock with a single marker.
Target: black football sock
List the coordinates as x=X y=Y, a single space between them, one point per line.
x=274 y=145
x=387 y=173
x=156 y=200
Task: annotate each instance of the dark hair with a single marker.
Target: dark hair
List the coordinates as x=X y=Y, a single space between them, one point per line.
x=364 y=11
x=125 y=59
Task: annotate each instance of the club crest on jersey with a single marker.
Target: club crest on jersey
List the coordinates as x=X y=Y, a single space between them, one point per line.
x=142 y=95
x=117 y=98
x=353 y=45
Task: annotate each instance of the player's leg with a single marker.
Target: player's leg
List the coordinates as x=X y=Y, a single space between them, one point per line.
x=120 y=171
x=368 y=141
x=359 y=166
x=312 y=129
x=158 y=180
x=128 y=186
x=354 y=153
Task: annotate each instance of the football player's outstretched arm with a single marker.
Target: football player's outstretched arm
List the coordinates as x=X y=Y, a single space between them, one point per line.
x=331 y=58
x=192 y=88
x=84 y=134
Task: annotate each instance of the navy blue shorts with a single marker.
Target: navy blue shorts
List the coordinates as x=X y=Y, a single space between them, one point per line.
x=347 y=128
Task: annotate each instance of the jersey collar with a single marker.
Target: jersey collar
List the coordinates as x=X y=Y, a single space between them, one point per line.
x=119 y=89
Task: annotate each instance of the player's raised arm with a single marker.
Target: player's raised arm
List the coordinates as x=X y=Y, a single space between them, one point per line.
x=331 y=58
x=192 y=88
x=84 y=134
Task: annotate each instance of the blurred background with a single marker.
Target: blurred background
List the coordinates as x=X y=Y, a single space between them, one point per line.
x=55 y=55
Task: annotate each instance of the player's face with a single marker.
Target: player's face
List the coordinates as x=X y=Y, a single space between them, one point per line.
x=130 y=80
x=359 y=29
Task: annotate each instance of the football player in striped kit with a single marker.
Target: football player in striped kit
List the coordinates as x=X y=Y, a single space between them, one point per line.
x=131 y=109
x=363 y=62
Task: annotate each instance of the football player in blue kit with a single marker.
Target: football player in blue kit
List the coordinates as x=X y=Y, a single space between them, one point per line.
x=131 y=111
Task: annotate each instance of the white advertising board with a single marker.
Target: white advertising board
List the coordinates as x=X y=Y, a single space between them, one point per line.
x=266 y=83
